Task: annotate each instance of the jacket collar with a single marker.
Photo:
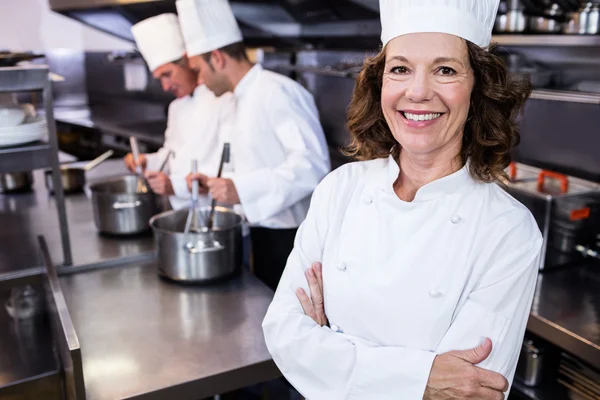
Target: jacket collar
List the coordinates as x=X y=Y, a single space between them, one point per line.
x=447 y=185
x=251 y=76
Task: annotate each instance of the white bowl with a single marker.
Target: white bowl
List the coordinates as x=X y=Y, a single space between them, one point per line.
x=11 y=116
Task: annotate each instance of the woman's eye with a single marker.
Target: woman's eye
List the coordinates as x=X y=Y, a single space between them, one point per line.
x=399 y=70
x=447 y=71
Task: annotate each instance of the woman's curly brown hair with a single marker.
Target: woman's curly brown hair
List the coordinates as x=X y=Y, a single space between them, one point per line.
x=491 y=131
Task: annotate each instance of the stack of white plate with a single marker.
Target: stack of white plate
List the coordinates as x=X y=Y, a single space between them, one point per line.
x=31 y=130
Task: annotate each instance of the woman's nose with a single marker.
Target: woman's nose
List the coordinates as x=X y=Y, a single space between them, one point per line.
x=419 y=89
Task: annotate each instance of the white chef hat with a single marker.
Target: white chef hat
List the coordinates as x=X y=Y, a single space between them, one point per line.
x=159 y=40
x=207 y=25
x=472 y=20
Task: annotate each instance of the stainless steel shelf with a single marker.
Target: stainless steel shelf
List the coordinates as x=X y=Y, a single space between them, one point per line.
x=40 y=155
x=18 y=79
x=25 y=158
x=547 y=40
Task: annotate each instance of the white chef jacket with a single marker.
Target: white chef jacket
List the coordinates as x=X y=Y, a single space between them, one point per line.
x=403 y=281
x=192 y=133
x=278 y=149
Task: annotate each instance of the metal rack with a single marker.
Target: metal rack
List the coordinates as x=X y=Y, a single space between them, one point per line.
x=547 y=40
x=40 y=154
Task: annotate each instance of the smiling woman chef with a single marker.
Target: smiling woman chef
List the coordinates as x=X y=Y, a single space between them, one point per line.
x=426 y=262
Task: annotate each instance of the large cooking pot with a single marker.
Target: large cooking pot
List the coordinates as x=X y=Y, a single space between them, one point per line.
x=119 y=209
x=199 y=256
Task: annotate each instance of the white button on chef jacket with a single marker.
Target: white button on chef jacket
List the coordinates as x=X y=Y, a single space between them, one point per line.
x=192 y=133
x=421 y=283
x=278 y=149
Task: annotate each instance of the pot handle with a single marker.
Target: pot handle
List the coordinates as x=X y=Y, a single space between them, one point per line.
x=512 y=173
x=127 y=205
x=564 y=181
x=190 y=248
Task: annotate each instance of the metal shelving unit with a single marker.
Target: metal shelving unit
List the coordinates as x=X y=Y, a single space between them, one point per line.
x=40 y=154
x=547 y=40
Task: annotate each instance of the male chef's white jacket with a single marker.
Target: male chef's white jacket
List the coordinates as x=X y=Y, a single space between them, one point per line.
x=403 y=281
x=278 y=149
x=192 y=133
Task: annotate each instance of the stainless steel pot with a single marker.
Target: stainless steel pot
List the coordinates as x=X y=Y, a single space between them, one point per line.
x=194 y=257
x=73 y=178
x=119 y=209
x=12 y=182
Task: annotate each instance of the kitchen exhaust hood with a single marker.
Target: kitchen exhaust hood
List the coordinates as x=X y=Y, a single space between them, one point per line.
x=263 y=22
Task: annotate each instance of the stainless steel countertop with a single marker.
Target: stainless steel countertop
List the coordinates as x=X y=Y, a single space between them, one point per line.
x=566 y=310
x=144 y=337
x=24 y=216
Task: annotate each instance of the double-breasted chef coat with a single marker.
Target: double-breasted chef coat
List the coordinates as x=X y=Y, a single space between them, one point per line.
x=403 y=281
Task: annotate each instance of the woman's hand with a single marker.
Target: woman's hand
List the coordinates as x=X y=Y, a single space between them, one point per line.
x=454 y=375
x=314 y=306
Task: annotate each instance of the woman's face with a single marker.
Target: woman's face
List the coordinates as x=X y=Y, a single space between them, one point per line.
x=427 y=84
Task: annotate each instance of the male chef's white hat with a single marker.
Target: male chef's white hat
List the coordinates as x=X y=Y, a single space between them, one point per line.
x=207 y=25
x=159 y=40
x=472 y=20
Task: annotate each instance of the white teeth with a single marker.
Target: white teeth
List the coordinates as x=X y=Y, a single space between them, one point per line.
x=421 y=117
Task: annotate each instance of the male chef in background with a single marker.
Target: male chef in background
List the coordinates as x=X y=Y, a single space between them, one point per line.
x=193 y=117
x=278 y=146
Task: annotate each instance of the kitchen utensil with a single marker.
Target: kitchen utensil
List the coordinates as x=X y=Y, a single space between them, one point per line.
x=119 y=208
x=142 y=185
x=11 y=116
x=529 y=368
x=164 y=164
x=73 y=178
x=185 y=256
x=213 y=203
x=15 y=182
x=191 y=222
x=567 y=211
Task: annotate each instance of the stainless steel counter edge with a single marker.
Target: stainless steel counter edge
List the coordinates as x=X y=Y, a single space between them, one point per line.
x=564 y=339
x=205 y=388
x=69 y=350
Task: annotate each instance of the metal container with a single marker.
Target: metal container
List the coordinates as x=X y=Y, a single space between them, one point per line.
x=119 y=209
x=514 y=21
x=13 y=182
x=73 y=179
x=585 y=21
x=529 y=368
x=544 y=25
x=200 y=256
x=567 y=211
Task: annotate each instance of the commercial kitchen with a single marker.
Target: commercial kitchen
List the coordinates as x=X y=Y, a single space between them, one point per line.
x=106 y=320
